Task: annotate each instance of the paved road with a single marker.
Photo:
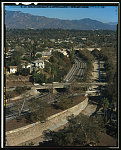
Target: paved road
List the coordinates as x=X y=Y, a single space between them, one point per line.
x=77 y=69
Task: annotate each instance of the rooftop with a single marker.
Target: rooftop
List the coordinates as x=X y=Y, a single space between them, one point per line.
x=12 y=67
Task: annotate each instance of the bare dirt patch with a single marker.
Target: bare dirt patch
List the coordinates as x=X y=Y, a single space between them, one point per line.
x=14 y=123
x=17 y=83
x=10 y=94
x=14 y=80
x=107 y=140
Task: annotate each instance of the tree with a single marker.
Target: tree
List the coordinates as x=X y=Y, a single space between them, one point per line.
x=96 y=53
x=105 y=104
x=19 y=50
x=81 y=130
x=38 y=55
x=23 y=71
x=38 y=78
x=64 y=102
x=38 y=110
x=71 y=56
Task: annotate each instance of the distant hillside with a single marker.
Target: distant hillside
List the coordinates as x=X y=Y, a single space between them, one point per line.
x=112 y=23
x=19 y=20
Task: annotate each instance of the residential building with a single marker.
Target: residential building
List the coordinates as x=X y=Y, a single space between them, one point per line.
x=45 y=54
x=29 y=65
x=13 y=69
x=38 y=64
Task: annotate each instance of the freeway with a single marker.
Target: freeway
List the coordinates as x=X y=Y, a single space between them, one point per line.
x=78 y=69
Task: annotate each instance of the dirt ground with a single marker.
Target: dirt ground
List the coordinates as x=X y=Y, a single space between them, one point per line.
x=14 y=124
x=13 y=80
x=17 y=83
x=12 y=77
x=107 y=140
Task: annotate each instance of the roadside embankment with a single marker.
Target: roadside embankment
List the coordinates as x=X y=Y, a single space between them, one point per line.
x=32 y=131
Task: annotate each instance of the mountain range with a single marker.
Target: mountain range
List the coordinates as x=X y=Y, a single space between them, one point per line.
x=19 y=20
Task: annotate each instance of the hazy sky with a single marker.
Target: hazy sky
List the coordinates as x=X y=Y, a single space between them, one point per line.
x=106 y=14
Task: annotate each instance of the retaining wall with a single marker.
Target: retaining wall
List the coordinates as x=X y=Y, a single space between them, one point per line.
x=32 y=131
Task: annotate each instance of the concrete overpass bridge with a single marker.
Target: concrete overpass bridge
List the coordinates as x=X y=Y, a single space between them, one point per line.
x=65 y=85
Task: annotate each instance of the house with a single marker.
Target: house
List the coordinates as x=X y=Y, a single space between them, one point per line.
x=26 y=65
x=45 y=54
x=13 y=69
x=38 y=64
x=64 y=52
x=52 y=40
x=83 y=38
x=29 y=65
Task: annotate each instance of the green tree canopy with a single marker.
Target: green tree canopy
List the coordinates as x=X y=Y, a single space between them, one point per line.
x=81 y=130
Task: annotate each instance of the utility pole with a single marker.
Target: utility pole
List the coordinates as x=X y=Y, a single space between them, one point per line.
x=21 y=107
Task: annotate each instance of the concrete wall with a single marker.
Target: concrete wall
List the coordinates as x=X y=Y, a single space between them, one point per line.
x=32 y=131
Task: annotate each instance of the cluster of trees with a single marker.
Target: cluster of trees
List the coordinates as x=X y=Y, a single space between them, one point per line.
x=108 y=55
x=81 y=131
x=23 y=71
x=39 y=111
x=38 y=78
x=58 y=67
x=42 y=38
x=109 y=94
x=64 y=102
x=15 y=58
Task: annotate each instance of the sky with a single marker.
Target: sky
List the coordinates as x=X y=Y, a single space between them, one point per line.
x=105 y=15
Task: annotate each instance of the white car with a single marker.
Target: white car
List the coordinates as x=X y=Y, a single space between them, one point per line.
x=43 y=83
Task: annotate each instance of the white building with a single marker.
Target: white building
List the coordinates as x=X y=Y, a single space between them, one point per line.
x=64 y=52
x=45 y=53
x=29 y=65
x=13 y=69
x=26 y=65
x=39 y=64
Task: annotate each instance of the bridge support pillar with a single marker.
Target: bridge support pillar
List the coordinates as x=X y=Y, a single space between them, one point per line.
x=54 y=91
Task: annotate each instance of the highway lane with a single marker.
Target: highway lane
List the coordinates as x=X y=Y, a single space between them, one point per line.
x=77 y=69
